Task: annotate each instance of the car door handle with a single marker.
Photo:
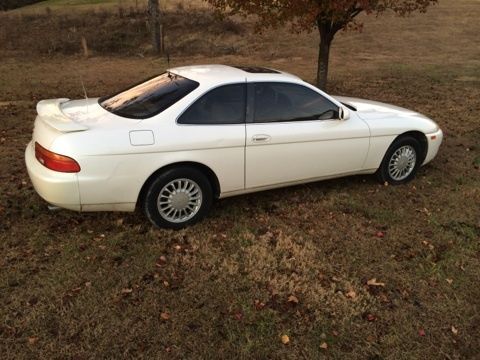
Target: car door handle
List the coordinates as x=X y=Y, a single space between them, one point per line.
x=261 y=138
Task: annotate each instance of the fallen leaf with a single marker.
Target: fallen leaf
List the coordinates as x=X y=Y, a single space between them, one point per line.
x=371 y=338
x=32 y=340
x=238 y=316
x=450 y=281
x=454 y=330
x=178 y=247
x=380 y=234
x=88 y=284
x=324 y=346
x=351 y=294
x=292 y=299
x=127 y=291
x=374 y=282
x=371 y=317
x=285 y=339
x=161 y=261
x=421 y=332
x=259 y=305
x=165 y=316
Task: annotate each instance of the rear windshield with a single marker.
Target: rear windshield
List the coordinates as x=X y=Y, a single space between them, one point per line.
x=150 y=97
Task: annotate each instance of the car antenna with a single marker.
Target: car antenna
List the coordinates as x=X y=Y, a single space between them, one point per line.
x=84 y=90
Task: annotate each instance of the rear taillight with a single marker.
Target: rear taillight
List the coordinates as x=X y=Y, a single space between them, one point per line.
x=55 y=161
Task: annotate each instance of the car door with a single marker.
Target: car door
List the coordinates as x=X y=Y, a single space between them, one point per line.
x=213 y=131
x=294 y=134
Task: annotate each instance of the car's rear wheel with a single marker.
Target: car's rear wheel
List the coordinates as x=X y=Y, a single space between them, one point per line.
x=177 y=198
x=401 y=162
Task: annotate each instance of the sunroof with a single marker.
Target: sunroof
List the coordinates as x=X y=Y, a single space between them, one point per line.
x=257 y=70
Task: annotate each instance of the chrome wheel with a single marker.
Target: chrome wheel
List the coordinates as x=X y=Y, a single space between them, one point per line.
x=402 y=163
x=179 y=200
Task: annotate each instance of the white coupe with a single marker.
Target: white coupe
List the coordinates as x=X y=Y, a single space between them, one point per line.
x=174 y=143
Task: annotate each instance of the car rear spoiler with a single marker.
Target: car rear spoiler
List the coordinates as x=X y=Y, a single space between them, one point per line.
x=50 y=112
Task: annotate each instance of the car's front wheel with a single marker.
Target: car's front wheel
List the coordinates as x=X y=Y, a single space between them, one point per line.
x=401 y=162
x=177 y=198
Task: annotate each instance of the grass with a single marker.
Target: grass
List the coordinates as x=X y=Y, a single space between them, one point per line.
x=109 y=285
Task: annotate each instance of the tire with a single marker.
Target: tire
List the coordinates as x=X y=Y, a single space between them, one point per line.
x=177 y=198
x=406 y=150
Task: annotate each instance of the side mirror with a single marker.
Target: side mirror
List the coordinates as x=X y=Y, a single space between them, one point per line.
x=343 y=113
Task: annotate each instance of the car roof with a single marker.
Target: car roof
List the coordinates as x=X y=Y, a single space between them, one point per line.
x=224 y=74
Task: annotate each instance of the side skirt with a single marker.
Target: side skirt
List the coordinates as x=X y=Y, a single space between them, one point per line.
x=292 y=183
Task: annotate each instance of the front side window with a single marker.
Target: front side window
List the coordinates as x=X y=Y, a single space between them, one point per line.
x=149 y=98
x=280 y=102
x=222 y=105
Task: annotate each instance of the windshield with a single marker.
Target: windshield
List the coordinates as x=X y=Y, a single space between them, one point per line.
x=150 y=97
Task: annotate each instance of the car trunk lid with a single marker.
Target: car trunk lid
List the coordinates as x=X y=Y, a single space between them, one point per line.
x=60 y=117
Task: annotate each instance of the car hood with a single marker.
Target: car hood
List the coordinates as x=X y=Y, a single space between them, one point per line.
x=389 y=119
x=368 y=109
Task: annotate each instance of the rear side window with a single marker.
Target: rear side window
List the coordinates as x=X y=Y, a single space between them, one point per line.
x=280 y=102
x=223 y=105
x=150 y=97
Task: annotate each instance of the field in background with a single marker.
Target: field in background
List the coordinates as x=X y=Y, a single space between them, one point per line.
x=65 y=6
x=109 y=285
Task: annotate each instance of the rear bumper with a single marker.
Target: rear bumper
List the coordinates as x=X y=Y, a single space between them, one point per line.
x=57 y=188
x=434 y=141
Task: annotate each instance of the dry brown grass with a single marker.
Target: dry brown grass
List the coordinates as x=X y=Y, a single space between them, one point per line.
x=96 y=285
x=79 y=6
x=124 y=31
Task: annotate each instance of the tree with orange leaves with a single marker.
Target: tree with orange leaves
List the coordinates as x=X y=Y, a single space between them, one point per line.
x=328 y=16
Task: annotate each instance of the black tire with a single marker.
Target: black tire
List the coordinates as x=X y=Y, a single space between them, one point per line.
x=196 y=177
x=383 y=172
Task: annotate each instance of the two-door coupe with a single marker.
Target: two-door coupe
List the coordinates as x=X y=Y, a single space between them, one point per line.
x=174 y=143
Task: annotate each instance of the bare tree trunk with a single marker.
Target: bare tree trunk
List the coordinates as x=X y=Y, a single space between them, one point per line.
x=154 y=14
x=326 y=38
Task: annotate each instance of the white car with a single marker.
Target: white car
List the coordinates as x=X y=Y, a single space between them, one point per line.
x=174 y=143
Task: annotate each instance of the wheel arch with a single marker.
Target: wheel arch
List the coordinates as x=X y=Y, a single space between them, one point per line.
x=420 y=137
x=207 y=171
